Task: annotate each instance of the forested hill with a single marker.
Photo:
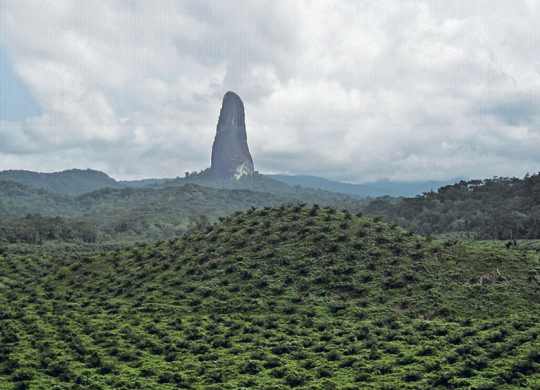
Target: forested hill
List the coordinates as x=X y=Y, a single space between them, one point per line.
x=134 y=214
x=69 y=182
x=497 y=208
x=73 y=181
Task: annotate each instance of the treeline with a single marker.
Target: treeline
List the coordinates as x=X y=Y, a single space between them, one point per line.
x=499 y=208
x=35 y=229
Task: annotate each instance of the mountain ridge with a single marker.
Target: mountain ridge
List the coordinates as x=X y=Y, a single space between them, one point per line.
x=79 y=181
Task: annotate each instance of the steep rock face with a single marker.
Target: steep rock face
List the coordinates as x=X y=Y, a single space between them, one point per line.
x=230 y=152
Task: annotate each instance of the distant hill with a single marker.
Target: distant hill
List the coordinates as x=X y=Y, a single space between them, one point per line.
x=17 y=200
x=69 y=182
x=373 y=189
x=143 y=182
x=256 y=182
x=335 y=186
x=74 y=181
x=411 y=189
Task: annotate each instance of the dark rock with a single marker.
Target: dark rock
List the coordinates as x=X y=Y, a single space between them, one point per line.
x=230 y=152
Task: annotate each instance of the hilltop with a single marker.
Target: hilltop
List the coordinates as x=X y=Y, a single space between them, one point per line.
x=274 y=297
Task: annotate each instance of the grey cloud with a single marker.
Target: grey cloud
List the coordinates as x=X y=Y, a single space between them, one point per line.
x=15 y=140
x=401 y=153
x=513 y=110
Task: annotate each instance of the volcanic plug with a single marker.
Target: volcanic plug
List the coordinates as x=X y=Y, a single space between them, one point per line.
x=230 y=152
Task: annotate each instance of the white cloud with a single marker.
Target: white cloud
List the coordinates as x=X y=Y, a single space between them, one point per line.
x=351 y=90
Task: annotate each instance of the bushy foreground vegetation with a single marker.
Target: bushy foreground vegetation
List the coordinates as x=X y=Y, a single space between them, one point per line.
x=273 y=298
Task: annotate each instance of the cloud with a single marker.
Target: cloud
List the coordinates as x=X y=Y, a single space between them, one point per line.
x=350 y=90
x=515 y=110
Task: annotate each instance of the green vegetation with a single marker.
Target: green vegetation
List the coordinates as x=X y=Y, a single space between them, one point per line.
x=144 y=214
x=499 y=208
x=294 y=296
x=34 y=229
x=284 y=294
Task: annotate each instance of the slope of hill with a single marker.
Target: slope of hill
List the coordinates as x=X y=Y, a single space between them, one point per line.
x=74 y=181
x=292 y=296
x=17 y=200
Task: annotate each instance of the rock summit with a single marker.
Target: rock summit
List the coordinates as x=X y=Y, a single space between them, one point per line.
x=230 y=152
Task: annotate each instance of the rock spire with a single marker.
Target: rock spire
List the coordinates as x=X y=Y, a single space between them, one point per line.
x=230 y=152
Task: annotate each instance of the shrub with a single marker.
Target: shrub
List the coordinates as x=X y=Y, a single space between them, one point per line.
x=325 y=372
x=282 y=349
x=251 y=367
x=412 y=376
x=272 y=362
x=348 y=362
x=22 y=374
x=279 y=372
x=295 y=379
x=362 y=377
x=333 y=355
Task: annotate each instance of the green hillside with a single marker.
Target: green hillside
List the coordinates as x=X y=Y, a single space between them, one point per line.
x=273 y=298
x=17 y=200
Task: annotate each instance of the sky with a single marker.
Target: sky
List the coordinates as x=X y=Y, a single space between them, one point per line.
x=355 y=91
